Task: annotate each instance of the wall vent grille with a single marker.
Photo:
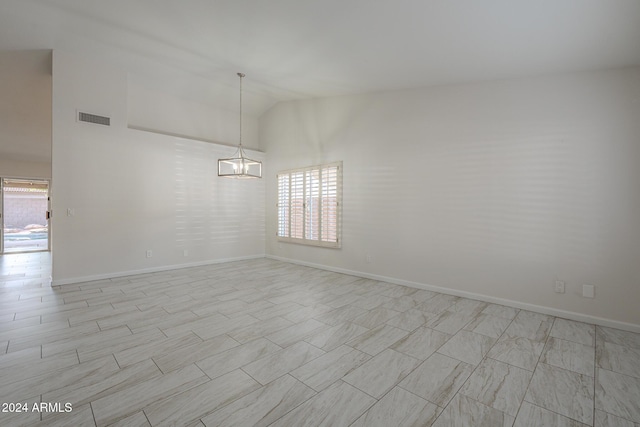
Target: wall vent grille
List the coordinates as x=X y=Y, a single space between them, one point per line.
x=92 y=118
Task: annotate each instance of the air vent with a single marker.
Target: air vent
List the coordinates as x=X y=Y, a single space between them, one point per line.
x=92 y=118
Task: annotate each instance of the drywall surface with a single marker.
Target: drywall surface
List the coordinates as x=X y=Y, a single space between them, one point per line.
x=496 y=189
x=166 y=113
x=25 y=114
x=118 y=192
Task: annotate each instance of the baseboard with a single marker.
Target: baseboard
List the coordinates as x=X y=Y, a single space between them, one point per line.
x=571 y=315
x=158 y=269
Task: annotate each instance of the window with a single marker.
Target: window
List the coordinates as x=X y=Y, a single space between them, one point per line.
x=309 y=205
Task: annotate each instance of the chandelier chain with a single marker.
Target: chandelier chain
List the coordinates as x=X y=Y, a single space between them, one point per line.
x=241 y=75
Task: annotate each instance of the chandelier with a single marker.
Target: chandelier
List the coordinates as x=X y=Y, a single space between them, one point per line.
x=239 y=166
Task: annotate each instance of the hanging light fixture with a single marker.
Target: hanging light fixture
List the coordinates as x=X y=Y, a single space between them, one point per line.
x=240 y=166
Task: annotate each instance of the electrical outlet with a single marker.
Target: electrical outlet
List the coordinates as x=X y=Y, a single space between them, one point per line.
x=559 y=287
x=368 y=258
x=149 y=253
x=185 y=252
x=71 y=212
x=588 y=291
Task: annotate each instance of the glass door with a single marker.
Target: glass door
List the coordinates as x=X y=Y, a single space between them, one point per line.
x=25 y=223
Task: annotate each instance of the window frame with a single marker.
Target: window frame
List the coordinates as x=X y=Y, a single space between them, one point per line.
x=320 y=218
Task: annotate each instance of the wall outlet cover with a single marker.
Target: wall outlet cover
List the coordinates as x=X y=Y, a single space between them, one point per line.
x=588 y=291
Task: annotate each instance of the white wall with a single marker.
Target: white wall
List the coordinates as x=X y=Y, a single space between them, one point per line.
x=496 y=189
x=25 y=114
x=163 y=112
x=133 y=191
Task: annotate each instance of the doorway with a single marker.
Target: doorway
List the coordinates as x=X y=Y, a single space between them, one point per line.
x=24 y=206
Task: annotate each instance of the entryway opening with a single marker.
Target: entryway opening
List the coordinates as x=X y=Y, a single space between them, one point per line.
x=25 y=215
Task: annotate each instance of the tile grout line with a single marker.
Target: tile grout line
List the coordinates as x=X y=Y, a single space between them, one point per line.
x=476 y=367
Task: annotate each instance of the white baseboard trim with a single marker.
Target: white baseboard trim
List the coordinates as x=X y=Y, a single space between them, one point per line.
x=571 y=315
x=158 y=269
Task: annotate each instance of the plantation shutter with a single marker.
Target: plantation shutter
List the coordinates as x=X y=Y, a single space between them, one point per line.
x=309 y=205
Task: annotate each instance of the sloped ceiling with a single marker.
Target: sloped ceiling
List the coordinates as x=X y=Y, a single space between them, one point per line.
x=293 y=49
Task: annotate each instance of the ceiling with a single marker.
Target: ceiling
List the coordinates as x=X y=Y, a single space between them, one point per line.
x=293 y=49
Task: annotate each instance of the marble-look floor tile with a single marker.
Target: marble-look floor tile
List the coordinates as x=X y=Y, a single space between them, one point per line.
x=196 y=309
x=569 y=355
x=617 y=358
x=617 y=336
x=207 y=330
x=535 y=416
x=402 y=304
x=399 y=408
x=378 y=339
x=400 y=291
x=194 y=403
x=372 y=302
x=307 y=313
x=437 y=379
x=30 y=367
x=162 y=322
x=382 y=373
x=53 y=380
x=139 y=419
x=604 y=419
x=277 y=310
x=375 y=317
x=582 y=333
x=328 y=368
x=517 y=351
x=498 y=385
x=410 y=320
x=93 y=386
x=464 y=411
x=84 y=341
x=248 y=333
x=530 y=327
x=467 y=346
x=21 y=419
x=421 y=343
x=234 y=358
x=333 y=337
x=297 y=332
x=180 y=357
x=468 y=306
x=561 y=391
x=121 y=404
x=486 y=324
x=279 y=363
x=340 y=315
x=60 y=335
x=129 y=317
x=336 y=406
x=79 y=416
x=618 y=394
x=423 y=295
x=437 y=304
x=93 y=350
x=449 y=322
x=339 y=301
x=19 y=357
x=263 y=406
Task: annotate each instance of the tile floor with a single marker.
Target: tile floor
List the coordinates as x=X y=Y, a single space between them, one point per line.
x=263 y=342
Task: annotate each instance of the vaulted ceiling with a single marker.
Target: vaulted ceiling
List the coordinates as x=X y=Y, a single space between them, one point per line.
x=293 y=49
